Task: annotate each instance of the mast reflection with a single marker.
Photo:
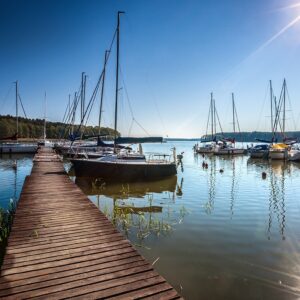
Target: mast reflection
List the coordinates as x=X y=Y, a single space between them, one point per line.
x=277 y=208
x=211 y=183
x=277 y=171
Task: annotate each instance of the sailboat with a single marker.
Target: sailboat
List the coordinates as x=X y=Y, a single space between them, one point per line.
x=208 y=144
x=294 y=154
x=227 y=146
x=280 y=150
x=15 y=147
x=262 y=150
x=124 y=167
x=45 y=142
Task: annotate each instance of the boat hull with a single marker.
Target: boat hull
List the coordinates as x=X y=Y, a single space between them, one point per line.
x=278 y=155
x=232 y=151
x=122 y=171
x=294 y=155
x=18 y=148
x=259 y=154
x=204 y=150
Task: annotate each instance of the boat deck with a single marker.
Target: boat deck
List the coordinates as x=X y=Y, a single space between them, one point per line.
x=61 y=246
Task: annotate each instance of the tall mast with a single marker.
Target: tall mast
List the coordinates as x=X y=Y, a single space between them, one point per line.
x=233 y=112
x=276 y=118
x=102 y=89
x=84 y=93
x=17 y=116
x=215 y=117
x=74 y=112
x=45 y=108
x=271 y=101
x=69 y=111
x=212 y=115
x=117 y=77
x=283 y=116
x=82 y=97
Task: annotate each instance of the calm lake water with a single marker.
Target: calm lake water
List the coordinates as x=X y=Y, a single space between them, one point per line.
x=211 y=234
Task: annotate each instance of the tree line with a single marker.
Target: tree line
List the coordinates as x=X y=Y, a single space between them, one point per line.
x=34 y=128
x=254 y=135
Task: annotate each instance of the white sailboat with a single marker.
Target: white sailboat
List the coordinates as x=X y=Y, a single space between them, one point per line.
x=262 y=150
x=46 y=142
x=279 y=151
x=294 y=154
x=227 y=147
x=208 y=146
x=16 y=147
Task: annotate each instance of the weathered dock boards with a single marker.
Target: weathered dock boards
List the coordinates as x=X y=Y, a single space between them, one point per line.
x=61 y=246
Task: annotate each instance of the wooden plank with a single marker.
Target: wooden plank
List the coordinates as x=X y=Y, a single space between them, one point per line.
x=62 y=246
x=142 y=293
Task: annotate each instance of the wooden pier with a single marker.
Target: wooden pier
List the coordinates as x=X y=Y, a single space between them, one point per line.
x=61 y=246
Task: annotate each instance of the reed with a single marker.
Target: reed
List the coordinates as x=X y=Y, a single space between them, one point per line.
x=6 y=219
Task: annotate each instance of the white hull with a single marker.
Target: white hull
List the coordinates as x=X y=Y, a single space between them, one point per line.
x=204 y=150
x=294 y=155
x=18 y=148
x=279 y=154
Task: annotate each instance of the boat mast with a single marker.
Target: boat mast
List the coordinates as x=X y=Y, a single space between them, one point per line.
x=271 y=101
x=283 y=115
x=215 y=118
x=17 y=116
x=212 y=115
x=45 y=108
x=82 y=97
x=117 y=78
x=74 y=112
x=69 y=112
x=233 y=112
x=102 y=88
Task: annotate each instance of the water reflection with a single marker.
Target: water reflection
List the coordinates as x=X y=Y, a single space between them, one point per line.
x=211 y=183
x=276 y=174
x=92 y=186
x=13 y=169
x=134 y=207
x=277 y=202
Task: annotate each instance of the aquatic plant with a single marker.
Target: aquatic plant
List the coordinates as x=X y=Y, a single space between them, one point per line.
x=142 y=222
x=6 y=219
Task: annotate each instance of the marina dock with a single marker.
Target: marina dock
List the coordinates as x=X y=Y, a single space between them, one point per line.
x=61 y=246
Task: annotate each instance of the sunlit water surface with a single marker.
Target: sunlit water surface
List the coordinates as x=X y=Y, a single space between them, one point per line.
x=211 y=234
x=13 y=170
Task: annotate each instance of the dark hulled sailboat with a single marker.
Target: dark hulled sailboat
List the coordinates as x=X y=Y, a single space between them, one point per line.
x=124 y=167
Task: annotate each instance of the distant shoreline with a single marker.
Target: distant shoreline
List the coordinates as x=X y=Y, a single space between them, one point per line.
x=247 y=137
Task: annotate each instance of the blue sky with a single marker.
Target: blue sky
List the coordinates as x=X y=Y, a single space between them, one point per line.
x=173 y=54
